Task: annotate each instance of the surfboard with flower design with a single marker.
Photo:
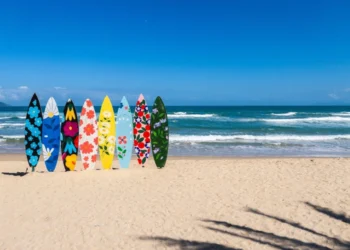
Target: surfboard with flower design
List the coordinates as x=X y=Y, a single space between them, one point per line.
x=88 y=137
x=51 y=135
x=124 y=133
x=106 y=133
x=160 y=133
x=70 y=136
x=142 y=131
x=32 y=132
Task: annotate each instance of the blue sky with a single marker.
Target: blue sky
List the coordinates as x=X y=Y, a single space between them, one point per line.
x=189 y=52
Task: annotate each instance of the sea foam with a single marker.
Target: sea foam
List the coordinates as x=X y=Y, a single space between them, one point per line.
x=184 y=115
x=236 y=138
x=285 y=114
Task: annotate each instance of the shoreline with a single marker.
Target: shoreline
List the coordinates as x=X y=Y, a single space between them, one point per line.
x=22 y=157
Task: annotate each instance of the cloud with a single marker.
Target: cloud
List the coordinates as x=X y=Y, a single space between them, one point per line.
x=334 y=96
x=14 y=94
x=21 y=96
x=2 y=96
x=14 y=97
x=59 y=88
x=347 y=90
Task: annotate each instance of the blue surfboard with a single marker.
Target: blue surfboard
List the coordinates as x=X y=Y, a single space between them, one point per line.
x=51 y=135
x=124 y=134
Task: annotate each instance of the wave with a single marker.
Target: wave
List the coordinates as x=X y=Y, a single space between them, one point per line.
x=9 y=125
x=328 y=119
x=341 y=114
x=12 y=118
x=246 y=119
x=12 y=138
x=16 y=137
x=266 y=138
x=184 y=115
x=308 y=120
x=285 y=114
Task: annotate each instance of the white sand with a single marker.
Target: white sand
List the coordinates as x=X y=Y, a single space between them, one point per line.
x=191 y=201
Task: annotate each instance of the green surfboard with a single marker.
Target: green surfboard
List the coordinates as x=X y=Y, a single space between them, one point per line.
x=160 y=133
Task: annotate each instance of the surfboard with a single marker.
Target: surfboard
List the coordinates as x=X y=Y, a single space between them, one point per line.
x=124 y=133
x=51 y=135
x=142 y=131
x=106 y=133
x=88 y=136
x=70 y=136
x=32 y=132
x=160 y=133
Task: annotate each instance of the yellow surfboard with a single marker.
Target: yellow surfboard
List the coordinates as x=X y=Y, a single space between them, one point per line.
x=106 y=133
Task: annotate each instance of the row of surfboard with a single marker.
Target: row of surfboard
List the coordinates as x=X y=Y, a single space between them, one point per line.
x=46 y=133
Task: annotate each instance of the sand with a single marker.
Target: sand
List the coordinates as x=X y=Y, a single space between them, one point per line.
x=194 y=203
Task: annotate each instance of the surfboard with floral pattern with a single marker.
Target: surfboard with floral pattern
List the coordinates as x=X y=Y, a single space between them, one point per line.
x=51 y=135
x=32 y=132
x=160 y=133
x=142 y=131
x=106 y=133
x=88 y=136
x=124 y=134
x=70 y=136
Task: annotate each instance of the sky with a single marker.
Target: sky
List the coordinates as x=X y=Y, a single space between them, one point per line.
x=197 y=52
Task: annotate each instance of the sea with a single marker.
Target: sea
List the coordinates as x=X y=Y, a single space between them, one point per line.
x=240 y=131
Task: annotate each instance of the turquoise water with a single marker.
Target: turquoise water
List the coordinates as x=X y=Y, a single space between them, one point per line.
x=232 y=131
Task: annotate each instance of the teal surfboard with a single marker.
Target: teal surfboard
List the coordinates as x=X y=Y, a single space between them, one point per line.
x=124 y=134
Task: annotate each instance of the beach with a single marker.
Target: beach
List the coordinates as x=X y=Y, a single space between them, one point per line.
x=245 y=103
x=193 y=203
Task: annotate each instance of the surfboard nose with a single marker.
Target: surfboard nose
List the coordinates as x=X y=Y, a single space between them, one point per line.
x=107 y=100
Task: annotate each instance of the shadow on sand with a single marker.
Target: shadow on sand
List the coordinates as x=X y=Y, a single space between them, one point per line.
x=186 y=244
x=20 y=174
x=342 y=217
x=261 y=237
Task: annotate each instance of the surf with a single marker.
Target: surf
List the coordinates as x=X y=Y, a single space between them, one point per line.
x=186 y=115
x=285 y=114
x=246 y=137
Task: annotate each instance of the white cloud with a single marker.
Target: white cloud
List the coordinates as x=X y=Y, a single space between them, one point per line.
x=21 y=96
x=59 y=88
x=334 y=96
x=2 y=96
x=14 y=97
x=347 y=90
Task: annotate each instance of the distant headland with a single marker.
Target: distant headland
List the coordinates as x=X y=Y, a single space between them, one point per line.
x=2 y=104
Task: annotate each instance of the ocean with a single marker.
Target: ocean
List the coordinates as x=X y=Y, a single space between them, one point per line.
x=322 y=131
